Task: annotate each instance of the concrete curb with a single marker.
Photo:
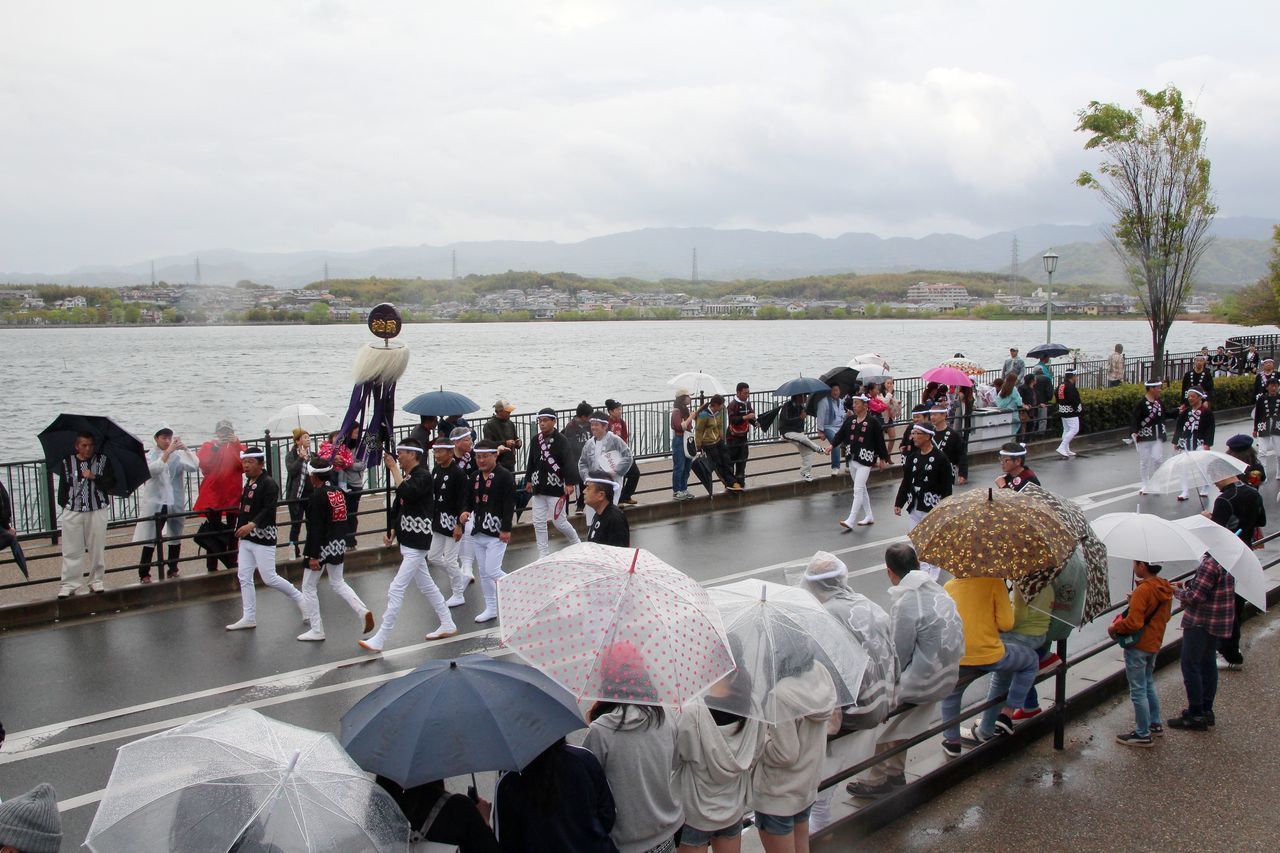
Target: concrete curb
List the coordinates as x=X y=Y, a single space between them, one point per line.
x=202 y=586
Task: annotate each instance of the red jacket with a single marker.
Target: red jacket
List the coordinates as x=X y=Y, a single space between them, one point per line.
x=222 y=476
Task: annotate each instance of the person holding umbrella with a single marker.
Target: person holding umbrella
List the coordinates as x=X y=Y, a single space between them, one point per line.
x=791 y=427
x=1069 y=410
x=561 y=801
x=256 y=530
x=1142 y=625
x=1208 y=615
x=165 y=495
x=84 y=479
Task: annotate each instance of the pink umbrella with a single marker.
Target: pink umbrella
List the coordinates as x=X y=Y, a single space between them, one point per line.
x=947 y=376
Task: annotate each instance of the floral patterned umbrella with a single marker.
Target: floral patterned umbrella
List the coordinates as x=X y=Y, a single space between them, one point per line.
x=994 y=533
x=1097 y=591
x=967 y=366
x=616 y=624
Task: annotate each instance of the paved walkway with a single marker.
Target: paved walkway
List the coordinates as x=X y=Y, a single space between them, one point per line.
x=1192 y=791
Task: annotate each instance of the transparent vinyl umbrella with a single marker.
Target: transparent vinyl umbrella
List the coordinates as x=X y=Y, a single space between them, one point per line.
x=1193 y=469
x=300 y=416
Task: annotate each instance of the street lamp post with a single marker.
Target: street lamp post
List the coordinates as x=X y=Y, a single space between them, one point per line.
x=1050 y=265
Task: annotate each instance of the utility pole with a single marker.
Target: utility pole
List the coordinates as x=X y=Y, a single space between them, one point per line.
x=453 y=257
x=695 y=266
x=1013 y=268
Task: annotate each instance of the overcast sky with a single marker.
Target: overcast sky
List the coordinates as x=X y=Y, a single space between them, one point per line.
x=135 y=130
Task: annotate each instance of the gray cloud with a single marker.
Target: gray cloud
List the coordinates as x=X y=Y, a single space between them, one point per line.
x=139 y=130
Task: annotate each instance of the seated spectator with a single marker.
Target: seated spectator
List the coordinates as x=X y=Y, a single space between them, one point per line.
x=985 y=610
x=928 y=641
x=1030 y=627
x=30 y=823
x=1144 y=621
x=436 y=815
x=561 y=801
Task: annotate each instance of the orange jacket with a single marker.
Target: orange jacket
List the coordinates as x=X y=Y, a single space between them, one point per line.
x=1149 y=607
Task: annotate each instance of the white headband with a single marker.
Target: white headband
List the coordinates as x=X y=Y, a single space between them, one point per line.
x=441 y=445
x=328 y=469
x=924 y=429
x=602 y=482
x=255 y=454
x=408 y=447
x=484 y=450
x=604 y=421
x=1022 y=452
x=1156 y=384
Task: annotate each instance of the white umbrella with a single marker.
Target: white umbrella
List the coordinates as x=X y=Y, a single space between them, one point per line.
x=1149 y=538
x=1193 y=469
x=869 y=358
x=303 y=415
x=1234 y=556
x=871 y=372
x=698 y=383
x=237 y=780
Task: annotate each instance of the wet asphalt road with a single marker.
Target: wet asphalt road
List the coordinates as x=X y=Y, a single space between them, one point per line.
x=73 y=693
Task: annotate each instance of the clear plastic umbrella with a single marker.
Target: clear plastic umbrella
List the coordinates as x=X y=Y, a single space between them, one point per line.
x=615 y=623
x=299 y=415
x=1193 y=469
x=778 y=632
x=240 y=781
x=699 y=384
x=869 y=358
x=872 y=372
x=1233 y=555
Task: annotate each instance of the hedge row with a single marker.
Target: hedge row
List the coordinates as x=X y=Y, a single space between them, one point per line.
x=1112 y=408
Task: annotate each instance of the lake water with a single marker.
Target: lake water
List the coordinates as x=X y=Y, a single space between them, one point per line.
x=192 y=377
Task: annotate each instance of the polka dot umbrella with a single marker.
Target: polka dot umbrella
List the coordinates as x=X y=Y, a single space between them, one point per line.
x=616 y=624
x=993 y=533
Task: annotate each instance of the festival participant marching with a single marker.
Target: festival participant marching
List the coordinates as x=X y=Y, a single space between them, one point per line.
x=1069 y=409
x=1198 y=376
x=1265 y=374
x=1266 y=424
x=491 y=504
x=411 y=521
x=449 y=487
x=605 y=456
x=165 y=495
x=610 y=526
x=1146 y=428
x=1013 y=462
x=328 y=525
x=256 y=530
x=865 y=437
x=951 y=442
x=463 y=439
x=1193 y=431
x=919 y=415
x=551 y=481
x=926 y=477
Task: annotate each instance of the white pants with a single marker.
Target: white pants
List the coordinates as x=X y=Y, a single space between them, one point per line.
x=1269 y=455
x=1150 y=454
x=311 y=601
x=466 y=551
x=806 y=448
x=413 y=569
x=489 y=553
x=914 y=517
x=1186 y=481
x=544 y=507
x=861 y=498
x=84 y=545
x=444 y=557
x=1070 y=426
x=263 y=559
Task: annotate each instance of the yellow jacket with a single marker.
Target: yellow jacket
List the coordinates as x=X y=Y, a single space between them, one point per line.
x=985 y=610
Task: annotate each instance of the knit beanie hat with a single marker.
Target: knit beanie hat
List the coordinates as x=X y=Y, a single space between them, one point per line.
x=30 y=822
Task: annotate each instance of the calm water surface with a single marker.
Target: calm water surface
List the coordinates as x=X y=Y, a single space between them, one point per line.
x=191 y=377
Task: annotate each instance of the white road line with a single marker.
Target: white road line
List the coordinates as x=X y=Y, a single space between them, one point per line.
x=26 y=744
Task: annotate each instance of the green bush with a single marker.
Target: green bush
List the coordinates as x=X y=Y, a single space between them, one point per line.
x=1112 y=408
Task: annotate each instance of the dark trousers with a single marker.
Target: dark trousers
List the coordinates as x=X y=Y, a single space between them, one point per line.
x=738 y=453
x=297 y=510
x=719 y=456
x=352 y=499
x=630 y=480
x=230 y=557
x=1230 y=647
x=1199 y=668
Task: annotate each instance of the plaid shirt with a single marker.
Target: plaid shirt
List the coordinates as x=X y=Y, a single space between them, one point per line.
x=1209 y=599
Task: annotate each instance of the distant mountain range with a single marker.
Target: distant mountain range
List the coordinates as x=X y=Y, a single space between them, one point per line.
x=1238 y=257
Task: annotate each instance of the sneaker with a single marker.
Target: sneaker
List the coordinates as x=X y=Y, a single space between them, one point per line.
x=443 y=631
x=456 y=600
x=975 y=735
x=866 y=522
x=1004 y=725
x=172 y=573
x=1134 y=739
x=67 y=590
x=373 y=644
x=844 y=524
x=144 y=579
x=1024 y=714
x=97 y=588
x=1195 y=723
x=1208 y=716
x=737 y=487
x=1156 y=729
x=1063 y=454
x=1050 y=659
x=1229 y=666
x=367 y=618
x=1182 y=497
x=487 y=616
x=242 y=625
x=808 y=478
x=312 y=636
x=868 y=792
x=951 y=748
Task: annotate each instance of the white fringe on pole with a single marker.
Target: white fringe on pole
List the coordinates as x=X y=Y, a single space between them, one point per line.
x=381 y=364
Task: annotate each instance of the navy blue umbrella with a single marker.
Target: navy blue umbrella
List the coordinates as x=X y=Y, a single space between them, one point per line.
x=441 y=403
x=450 y=717
x=802 y=385
x=1051 y=350
x=127 y=456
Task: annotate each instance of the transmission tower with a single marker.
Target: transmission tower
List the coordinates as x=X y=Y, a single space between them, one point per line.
x=153 y=273
x=197 y=271
x=453 y=256
x=326 y=270
x=695 y=265
x=1013 y=268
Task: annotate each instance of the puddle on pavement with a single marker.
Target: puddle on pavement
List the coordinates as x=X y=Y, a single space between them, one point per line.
x=969 y=819
x=1047 y=778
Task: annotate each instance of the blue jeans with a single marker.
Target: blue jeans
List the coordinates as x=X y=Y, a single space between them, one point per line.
x=1199 y=668
x=1140 y=669
x=1042 y=647
x=835 y=451
x=781 y=824
x=1013 y=674
x=681 y=464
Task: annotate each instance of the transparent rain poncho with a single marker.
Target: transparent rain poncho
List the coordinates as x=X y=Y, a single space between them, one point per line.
x=928 y=638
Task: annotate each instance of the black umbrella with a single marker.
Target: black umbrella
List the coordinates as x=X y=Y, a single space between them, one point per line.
x=765 y=419
x=701 y=469
x=8 y=540
x=1051 y=350
x=126 y=454
x=845 y=377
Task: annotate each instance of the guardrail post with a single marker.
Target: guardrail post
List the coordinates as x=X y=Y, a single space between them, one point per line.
x=270 y=452
x=1060 y=698
x=51 y=504
x=161 y=520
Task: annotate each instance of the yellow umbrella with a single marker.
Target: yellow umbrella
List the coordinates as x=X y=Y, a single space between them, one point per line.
x=996 y=533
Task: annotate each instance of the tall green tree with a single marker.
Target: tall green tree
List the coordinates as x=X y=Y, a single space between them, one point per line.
x=1154 y=178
